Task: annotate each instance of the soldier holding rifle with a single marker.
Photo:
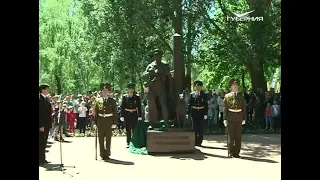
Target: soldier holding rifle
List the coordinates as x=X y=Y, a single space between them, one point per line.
x=234 y=117
x=105 y=111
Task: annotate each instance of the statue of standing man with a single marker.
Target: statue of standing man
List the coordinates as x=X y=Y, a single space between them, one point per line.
x=159 y=94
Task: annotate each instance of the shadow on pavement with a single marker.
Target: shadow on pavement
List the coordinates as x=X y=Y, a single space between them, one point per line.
x=51 y=167
x=263 y=150
x=260 y=146
x=258 y=159
x=242 y=157
x=65 y=141
x=248 y=138
x=211 y=147
x=196 y=155
x=115 y=161
x=216 y=155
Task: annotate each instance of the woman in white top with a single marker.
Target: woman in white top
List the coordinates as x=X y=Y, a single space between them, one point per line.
x=82 y=117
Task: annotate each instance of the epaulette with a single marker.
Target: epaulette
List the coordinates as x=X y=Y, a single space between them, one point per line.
x=228 y=94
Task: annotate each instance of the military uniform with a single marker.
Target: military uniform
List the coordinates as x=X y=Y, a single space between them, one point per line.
x=234 y=116
x=106 y=113
x=130 y=111
x=198 y=109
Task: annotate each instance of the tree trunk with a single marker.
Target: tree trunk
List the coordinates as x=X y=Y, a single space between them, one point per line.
x=257 y=75
x=58 y=82
x=242 y=78
x=188 y=76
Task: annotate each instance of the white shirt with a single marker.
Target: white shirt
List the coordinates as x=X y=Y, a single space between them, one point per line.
x=82 y=111
x=105 y=99
x=44 y=95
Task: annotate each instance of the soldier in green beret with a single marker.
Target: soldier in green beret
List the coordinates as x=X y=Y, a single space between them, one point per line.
x=130 y=111
x=105 y=111
x=198 y=110
x=234 y=117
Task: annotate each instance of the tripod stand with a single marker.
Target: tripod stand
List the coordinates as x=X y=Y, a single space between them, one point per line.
x=61 y=166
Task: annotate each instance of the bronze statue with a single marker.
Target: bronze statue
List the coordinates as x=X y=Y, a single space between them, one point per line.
x=161 y=94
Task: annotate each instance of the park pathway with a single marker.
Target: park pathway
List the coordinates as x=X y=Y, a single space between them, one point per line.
x=261 y=160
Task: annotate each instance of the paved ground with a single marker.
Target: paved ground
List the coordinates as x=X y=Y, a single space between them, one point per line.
x=261 y=160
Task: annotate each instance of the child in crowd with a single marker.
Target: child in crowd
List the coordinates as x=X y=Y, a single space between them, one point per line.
x=71 y=118
x=268 y=116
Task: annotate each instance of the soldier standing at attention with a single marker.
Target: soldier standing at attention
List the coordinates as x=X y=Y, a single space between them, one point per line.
x=234 y=117
x=44 y=121
x=105 y=110
x=130 y=111
x=198 y=109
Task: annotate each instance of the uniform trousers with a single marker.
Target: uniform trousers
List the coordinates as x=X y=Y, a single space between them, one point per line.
x=130 y=120
x=104 y=135
x=43 y=139
x=198 y=124
x=234 y=135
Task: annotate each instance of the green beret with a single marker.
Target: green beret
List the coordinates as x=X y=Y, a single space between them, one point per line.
x=105 y=85
x=198 y=83
x=131 y=86
x=234 y=81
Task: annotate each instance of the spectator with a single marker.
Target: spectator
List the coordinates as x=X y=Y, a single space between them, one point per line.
x=71 y=118
x=268 y=117
x=276 y=115
x=220 y=101
x=82 y=118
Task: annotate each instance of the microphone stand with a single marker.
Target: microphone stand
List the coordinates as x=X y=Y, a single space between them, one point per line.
x=61 y=166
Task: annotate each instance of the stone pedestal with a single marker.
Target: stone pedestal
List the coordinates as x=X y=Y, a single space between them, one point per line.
x=173 y=141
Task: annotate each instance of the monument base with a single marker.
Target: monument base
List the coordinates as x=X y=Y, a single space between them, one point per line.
x=172 y=141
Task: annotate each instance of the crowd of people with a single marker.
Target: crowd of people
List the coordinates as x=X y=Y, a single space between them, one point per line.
x=75 y=112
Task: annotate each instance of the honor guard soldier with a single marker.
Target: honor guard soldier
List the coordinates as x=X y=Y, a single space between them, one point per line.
x=198 y=109
x=105 y=111
x=234 y=117
x=130 y=111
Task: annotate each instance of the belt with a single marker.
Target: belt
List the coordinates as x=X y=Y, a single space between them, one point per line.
x=235 y=110
x=131 y=110
x=105 y=115
x=198 y=108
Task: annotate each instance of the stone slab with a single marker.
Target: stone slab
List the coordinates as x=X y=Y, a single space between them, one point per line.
x=170 y=142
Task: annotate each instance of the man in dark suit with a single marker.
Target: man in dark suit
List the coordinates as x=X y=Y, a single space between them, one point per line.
x=44 y=121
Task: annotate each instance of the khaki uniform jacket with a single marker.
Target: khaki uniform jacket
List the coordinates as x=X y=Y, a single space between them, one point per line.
x=109 y=108
x=234 y=107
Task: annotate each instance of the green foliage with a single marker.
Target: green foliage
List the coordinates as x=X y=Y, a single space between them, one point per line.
x=84 y=42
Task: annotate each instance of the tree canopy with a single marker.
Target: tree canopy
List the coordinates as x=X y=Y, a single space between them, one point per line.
x=85 y=42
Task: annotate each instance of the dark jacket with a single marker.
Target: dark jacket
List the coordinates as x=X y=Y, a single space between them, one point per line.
x=44 y=112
